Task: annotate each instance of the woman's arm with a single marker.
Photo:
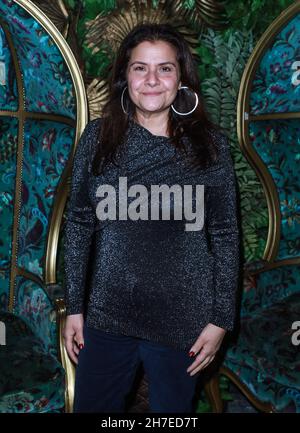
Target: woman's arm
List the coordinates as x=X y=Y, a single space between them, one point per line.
x=78 y=231
x=222 y=228
x=79 y=225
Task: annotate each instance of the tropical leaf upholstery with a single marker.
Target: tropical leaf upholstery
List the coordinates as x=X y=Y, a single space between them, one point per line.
x=262 y=355
x=31 y=377
x=38 y=126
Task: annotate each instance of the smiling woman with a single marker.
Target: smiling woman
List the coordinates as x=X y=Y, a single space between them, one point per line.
x=159 y=292
x=153 y=86
x=155 y=81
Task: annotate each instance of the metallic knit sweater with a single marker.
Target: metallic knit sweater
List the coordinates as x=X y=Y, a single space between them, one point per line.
x=152 y=279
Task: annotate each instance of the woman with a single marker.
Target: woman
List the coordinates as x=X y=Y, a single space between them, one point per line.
x=161 y=289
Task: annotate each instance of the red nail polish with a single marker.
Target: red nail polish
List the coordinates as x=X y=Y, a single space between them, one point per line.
x=191 y=353
x=80 y=346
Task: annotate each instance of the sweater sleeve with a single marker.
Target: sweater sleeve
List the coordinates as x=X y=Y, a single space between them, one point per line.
x=223 y=233
x=79 y=226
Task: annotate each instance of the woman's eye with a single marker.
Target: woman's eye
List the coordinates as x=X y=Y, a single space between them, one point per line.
x=163 y=68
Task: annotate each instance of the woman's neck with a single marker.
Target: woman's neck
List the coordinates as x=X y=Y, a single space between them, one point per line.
x=156 y=124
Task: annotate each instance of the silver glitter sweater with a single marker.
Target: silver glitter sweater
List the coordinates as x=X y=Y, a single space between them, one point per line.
x=151 y=278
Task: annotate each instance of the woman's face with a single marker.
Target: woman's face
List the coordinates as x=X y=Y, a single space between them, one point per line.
x=153 y=76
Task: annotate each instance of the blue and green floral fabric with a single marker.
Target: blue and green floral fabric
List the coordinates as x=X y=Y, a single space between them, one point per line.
x=31 y=379
x=37 y=132
x=263 y=355
x=274 y=85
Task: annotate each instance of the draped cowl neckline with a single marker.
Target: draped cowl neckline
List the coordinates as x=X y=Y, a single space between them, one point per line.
x=145 y=159
x=146 y=132
x=142 y=151
x=146 y=155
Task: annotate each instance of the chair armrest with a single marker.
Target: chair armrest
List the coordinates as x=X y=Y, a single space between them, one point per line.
x=66 y=362
x=254 y=266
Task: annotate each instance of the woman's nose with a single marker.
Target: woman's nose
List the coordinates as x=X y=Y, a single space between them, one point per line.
x=152 y=78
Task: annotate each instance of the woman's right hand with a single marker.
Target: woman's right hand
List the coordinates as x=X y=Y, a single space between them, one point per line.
x=73 y=335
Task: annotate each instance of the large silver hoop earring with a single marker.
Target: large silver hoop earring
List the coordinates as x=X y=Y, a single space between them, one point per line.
x=189 y=112
x=122 y=100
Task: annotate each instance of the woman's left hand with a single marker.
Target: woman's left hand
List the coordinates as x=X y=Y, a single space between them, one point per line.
x=207 y=344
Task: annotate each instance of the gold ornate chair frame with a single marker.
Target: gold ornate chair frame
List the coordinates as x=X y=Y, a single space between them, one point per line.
x=62 y=191
x=269 y=187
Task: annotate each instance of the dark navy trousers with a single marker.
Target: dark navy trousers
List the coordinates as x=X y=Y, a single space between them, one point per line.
x=107 y=368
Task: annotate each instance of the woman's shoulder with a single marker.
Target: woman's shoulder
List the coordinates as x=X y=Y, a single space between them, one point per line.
x=221 y=141
x=219 y=137
x=90 y=133
x=93 y=125
x=222 y=147
x=88 y=138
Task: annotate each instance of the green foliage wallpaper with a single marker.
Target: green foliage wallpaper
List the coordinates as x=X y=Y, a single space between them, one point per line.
x=222 y=40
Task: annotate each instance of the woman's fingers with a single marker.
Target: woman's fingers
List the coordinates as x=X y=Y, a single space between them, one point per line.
x=206 y=362
x=78 y=338
x=75 y=349
x=201 y=366
x=200 y=363
x=73 y=335
x=69 y=344
x=206 y=345
x=198 y=360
